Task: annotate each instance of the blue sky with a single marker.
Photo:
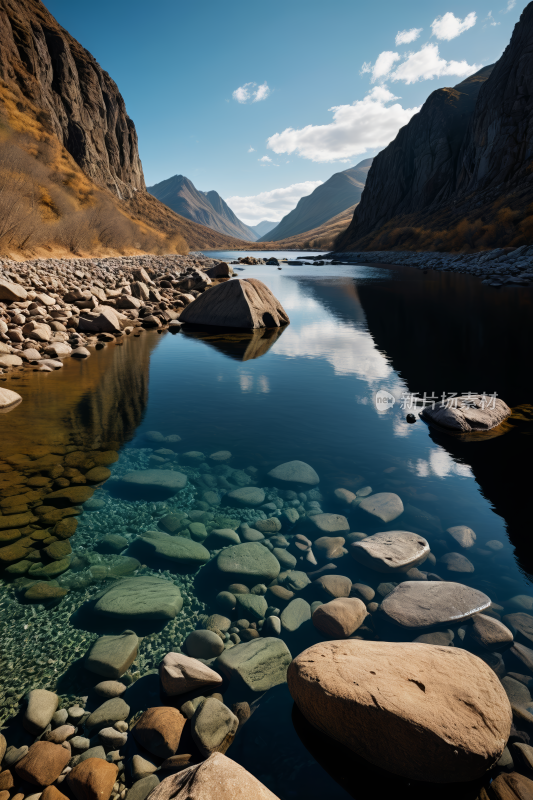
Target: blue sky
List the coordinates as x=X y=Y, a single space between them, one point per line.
x=237 y=96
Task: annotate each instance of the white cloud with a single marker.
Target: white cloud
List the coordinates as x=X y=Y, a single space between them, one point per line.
x=406 y=37
x=510 y=5
x=384 y=63
x=427 y=63
x=251 y=92
x=265 y=158
x=261 y=92
x=367 y=124
x=449 y=26
x=271 y=205
x=489 y=20
x=251 y=149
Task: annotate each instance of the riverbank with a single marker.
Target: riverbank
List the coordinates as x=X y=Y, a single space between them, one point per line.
x=53 y=308
x=495 y=267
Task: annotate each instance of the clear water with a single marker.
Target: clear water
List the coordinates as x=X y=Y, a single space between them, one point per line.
x=305 y=392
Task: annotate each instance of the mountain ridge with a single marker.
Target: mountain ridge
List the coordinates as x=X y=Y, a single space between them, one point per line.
x=331 y=198
x=205 y=208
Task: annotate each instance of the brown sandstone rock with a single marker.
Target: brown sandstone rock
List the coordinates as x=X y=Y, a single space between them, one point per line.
x=159 y=731
x=43 y=763
x=92 y=779
x=329 y=547
x=339 y=618
x=217 y=778
x=426 y=712
x=51 y=793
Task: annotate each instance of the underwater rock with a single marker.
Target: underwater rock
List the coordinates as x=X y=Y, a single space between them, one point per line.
x=295 y=472
x=43 y=763
x=213 y=727
x=148 y=481
x=139 y=599
x=41 y=707
x=392 y=551
x=114 y=710
x=249 y=562
x=184 y=552
x=180 y=674
x=260 y=664
x=93 y=779
x=111 y=656
x=422 y=604
x=159 y=730
x=385 y=506
x=203 y=644
x=441 y=705
x=462 y=535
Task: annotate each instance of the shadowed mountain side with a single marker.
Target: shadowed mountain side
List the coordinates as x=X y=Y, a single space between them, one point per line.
x=239 y=346
x=410 y=324
x=418 y=169
x=146 y=208
x=86 y=403
x=321 y=238
x=338 y=193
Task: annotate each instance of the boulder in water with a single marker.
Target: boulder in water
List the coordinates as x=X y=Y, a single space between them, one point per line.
x=245 y=303
x=466 y=414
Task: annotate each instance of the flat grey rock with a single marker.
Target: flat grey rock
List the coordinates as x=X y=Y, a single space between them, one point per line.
x=392 y=551
x=422 y=604
x=260 y=664
x=111 y=656
x=251 y=606
x=250 y=563
x=466 y=414
x=213 y=727
x=456 y=562
x=247 y=496
x=156 y=479
x=295 y=472
x=522 y=626
x=185 y=552
x=385 y=506
x=107 y=714
x=295 y=615
x=328 y=523
x=140 y=599
x=463 y=535
x=203 y=644
x=41 y=707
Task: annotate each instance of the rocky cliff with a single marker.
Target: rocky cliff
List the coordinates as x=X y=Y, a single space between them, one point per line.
x=458 y=175
x=72 y=93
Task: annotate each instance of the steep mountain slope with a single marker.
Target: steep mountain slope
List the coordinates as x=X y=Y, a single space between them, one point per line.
x=321 y=238
x=458 y=176
x=262 y=227
x=224 y=211
x=206 y=208
x=341 y=191
x=69 y=161
x=77 y=100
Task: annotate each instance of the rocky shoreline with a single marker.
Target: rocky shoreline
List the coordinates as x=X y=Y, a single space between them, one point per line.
x=51 y=309
x=499 y=267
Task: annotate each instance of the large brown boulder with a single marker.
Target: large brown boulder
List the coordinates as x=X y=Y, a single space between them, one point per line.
x=43 y=763
x=92 y=779
x=425 y=712
x=159 y=730
x=217 y=778
x=246 y=303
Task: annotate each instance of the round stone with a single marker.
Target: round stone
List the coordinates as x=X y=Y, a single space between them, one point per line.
x=295 y=472
x=392 y=551
x=203 y=644
x=250 y=562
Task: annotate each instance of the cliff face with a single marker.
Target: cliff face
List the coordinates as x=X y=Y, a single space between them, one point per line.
x=71 y=94
x=418 y=169
x=499 y=142
x=459 y=175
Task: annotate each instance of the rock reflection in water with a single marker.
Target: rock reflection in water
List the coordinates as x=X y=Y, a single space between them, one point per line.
x=85 y=403
x=238 y=345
